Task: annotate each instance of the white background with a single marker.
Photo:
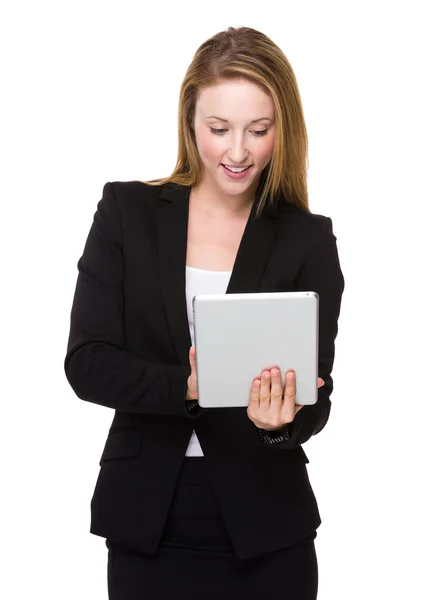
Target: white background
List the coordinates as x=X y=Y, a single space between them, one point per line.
x=89 y=95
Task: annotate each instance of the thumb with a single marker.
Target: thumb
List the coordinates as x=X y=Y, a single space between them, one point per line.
x=192 y=356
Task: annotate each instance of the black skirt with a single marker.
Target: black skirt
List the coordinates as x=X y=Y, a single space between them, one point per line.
x=196 y=560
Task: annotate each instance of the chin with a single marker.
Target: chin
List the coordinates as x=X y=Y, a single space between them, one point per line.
x=236 y=187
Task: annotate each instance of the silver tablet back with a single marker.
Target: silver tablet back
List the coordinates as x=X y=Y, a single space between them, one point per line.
x=239 y=335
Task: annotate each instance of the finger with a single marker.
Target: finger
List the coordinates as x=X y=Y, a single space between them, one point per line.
x=192 y=357
x=276 y=390
x=265 y=389
x=288 y=408
x=255 y=394
x=290 y=387
x=320 y=382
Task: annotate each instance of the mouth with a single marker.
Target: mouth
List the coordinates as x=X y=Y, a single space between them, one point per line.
x=236 y=169
x=240 y=173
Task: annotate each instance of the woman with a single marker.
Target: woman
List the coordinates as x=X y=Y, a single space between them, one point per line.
x=193 y=502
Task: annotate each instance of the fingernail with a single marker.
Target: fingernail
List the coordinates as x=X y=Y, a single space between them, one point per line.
x=291 y=374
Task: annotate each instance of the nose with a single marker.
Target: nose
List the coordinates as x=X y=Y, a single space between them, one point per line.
x=237 y=153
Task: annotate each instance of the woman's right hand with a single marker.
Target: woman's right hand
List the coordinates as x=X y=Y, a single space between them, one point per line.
x=192 y=379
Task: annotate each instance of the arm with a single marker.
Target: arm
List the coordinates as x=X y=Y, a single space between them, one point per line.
x=96 y=365
x=321 y=273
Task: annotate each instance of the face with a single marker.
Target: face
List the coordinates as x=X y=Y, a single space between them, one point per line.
x=234 y=127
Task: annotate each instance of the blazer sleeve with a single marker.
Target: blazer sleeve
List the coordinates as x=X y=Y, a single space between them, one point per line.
x=96 y=365
x=321 y=273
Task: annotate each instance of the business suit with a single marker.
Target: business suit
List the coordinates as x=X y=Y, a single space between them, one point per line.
x=128 y=350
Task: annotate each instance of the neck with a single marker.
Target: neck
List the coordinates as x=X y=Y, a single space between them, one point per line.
x=215 y=204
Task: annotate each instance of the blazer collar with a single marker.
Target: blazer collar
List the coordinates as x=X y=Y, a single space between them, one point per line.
x=172 y=229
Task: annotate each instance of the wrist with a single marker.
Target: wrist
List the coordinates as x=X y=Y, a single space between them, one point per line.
x=273 y=430
x=275 y=436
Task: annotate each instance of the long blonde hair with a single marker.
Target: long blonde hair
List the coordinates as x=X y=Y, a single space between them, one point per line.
x=245 y=53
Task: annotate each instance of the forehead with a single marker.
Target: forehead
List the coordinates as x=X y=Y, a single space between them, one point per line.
x=236 y=99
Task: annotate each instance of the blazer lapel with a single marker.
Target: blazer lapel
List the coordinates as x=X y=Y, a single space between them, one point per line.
x=172 y=229
x=253 y=253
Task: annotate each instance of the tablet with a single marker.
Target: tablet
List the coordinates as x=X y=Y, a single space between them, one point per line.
x=239 y=335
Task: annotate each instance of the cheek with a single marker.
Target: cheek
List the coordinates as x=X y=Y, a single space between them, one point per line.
x=208 y=147
x=266 y=148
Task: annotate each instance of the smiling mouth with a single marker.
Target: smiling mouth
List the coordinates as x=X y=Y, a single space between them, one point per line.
x=237 y=169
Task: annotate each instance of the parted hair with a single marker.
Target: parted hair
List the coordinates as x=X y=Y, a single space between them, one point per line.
x=245 y=53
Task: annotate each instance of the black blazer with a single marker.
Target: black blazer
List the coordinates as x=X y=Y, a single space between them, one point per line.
x=128 y=350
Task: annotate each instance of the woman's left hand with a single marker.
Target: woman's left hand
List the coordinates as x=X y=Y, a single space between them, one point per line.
x=271 y=405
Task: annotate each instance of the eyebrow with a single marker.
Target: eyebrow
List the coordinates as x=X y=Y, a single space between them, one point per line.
x=254 y=121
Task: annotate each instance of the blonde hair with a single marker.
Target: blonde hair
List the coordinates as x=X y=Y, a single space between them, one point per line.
x=245 y=53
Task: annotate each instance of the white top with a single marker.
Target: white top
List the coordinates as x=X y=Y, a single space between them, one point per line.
x=201 y=281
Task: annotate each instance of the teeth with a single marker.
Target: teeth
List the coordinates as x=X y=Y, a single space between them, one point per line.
x=235 y=169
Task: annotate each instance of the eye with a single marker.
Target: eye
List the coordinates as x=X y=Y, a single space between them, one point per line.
x=259 y=133
x=218 y=131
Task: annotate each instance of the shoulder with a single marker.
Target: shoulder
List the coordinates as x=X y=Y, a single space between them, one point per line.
x=131 y=197
x=312 y=227
x=124 y=191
